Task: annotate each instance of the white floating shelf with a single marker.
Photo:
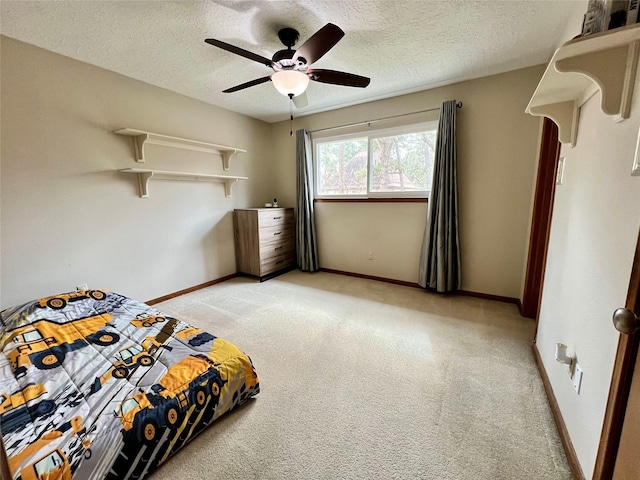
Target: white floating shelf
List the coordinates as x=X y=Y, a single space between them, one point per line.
x=145 y=175
x=142 y=138
x=606 y=61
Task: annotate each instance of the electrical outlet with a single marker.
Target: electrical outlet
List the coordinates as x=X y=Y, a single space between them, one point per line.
x=370 y=256
x=577 y=378
x=82 y=286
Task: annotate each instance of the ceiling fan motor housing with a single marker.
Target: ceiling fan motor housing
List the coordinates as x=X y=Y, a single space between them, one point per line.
x=288 y=36
x=283 y=58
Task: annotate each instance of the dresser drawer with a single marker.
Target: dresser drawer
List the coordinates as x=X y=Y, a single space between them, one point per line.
x=273 y=264
x=276 y=248
x=274 y=234
x=269 y=218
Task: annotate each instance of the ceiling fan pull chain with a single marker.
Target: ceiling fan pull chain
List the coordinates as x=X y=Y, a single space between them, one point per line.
x=290 y=115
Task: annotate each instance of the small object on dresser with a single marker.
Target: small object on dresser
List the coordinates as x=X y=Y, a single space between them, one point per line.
x=275 y=202
x=268 y=205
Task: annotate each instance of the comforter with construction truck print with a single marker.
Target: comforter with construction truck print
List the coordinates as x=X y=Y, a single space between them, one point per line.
x=96 y=385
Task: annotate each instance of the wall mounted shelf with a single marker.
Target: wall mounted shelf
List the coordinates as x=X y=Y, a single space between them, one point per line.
x=606 y=61
x=145 y=175
x=142 y=138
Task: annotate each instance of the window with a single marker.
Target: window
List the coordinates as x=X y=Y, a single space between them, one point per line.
x=32 y=336
x=383 y=163
x=48 y=464
x=129 y=405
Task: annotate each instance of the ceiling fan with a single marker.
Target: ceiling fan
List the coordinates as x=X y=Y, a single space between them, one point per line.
x=291 y=67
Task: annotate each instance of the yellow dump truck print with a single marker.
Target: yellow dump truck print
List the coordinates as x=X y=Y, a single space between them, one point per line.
x=191 y=382
x=45 y=344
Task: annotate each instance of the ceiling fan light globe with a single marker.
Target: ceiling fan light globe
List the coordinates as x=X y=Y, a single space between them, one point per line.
x=290 y=82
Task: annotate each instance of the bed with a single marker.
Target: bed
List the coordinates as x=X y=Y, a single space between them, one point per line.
x=96 y=385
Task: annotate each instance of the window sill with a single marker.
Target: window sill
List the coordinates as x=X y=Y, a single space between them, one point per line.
x=370 y=200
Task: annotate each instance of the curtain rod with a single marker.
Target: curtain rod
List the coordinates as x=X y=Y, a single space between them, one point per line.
x=369 y=122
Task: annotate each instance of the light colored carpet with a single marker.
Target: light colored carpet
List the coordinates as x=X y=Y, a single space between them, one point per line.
x=362 y=379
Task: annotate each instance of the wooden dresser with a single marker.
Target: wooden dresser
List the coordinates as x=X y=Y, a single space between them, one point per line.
x=264 y=240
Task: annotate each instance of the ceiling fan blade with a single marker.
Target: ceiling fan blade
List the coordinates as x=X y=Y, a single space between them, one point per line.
x=252 y=83
x=301 y=100
x=338 y=78
x=239 y=51
x=320 y=43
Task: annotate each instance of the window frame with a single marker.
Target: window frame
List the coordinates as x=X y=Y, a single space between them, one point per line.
x=430 y=125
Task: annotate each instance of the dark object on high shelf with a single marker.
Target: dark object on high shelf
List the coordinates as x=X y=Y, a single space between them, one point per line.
x=618 y=19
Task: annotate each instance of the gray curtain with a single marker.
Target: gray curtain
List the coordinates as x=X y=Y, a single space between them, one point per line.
x=306 y=244
x=440 y=257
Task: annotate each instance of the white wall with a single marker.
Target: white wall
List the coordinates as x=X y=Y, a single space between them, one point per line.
x=497 y=156
x=593 y=238
x=68 y=217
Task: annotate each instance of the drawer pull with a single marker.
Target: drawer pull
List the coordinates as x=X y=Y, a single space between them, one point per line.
x=277 y=233
x=279 y=262
x=278 y=248
x=277 y=218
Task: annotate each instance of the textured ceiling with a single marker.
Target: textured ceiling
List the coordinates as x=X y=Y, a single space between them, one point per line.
x=403 y=45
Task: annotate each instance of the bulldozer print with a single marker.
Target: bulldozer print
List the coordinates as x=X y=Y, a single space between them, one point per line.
x=129 y=359
x=146 y=321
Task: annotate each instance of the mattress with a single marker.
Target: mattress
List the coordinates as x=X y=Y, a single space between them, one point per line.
x=97 y=385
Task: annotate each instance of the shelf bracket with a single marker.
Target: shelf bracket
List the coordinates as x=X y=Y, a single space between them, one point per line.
x=613 y=70
x=143 y=183
x=138 y=145
x=228 y=183
x=226 y=158
x=564 y=115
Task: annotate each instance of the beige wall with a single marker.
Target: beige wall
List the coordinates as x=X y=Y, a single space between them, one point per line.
x=593 y=238
x=69 y=218
x=497 y=156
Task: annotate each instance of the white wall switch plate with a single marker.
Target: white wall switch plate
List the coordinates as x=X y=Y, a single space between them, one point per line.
x=560 y=172
x=577 y=378
x=635 y=169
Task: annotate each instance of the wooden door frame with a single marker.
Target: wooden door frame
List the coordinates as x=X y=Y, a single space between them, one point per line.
x=541 y=220
x=620 y=383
